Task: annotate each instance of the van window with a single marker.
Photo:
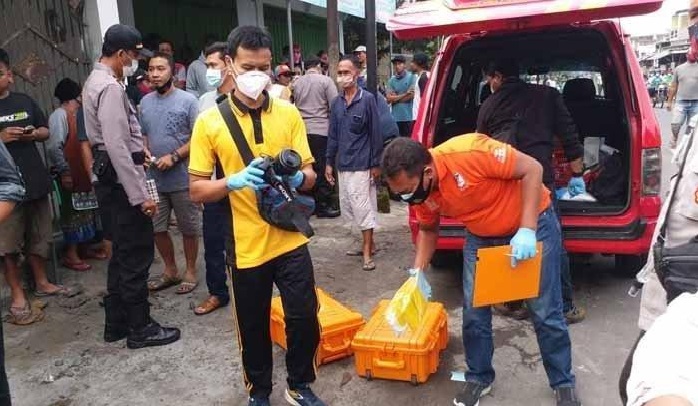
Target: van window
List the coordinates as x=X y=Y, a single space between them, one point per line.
x=558 y=79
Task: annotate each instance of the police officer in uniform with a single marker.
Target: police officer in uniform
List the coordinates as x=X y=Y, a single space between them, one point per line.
x=125 y=206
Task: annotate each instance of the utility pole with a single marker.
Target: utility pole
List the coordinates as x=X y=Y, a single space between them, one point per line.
x=332 y=37
x=371 y=45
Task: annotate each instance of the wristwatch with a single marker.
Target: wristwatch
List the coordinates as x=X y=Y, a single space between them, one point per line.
x=175 y=156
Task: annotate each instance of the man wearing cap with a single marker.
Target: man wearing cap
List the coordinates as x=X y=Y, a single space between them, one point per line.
x=117 y=143
x=400 y=92
x=420 y=68
x=360 y=53
x=282 y=88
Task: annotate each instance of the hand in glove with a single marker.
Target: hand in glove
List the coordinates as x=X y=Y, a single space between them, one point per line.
x=576 y=186
x=296 y=180
x=523 y=245
x=251 y=176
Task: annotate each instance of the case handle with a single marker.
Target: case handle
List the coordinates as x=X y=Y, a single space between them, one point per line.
x=380 y=363
x=341 y=347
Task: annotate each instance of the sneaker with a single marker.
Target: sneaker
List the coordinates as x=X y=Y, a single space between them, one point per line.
x=575 y=315
x=471 y=393
x=302 y=396
x=259 y=401
x=567 y=396
x=515 y=310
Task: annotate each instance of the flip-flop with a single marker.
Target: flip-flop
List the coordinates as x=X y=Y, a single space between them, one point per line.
x=207 y=306
x=163 y=282
x=61 y=291
x=99 y=255
x=76 y=266
x=186 y=287
x=369 y=265
x=23 y=316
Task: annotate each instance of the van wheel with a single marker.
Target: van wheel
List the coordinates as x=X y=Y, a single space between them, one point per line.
x=447 y=259
x=630 y=265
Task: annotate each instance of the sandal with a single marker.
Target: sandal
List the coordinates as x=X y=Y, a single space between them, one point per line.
x=22 y=316
x=61 y=291
x=186 y=287
x=96 y=254
x=79 y=266
x=163 y=282
x=207 y=306
x=369 y=265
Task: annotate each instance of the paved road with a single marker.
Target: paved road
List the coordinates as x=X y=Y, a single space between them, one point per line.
x=204 y=367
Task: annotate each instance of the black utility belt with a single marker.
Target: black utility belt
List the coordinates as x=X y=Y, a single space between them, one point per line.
x=137 y=157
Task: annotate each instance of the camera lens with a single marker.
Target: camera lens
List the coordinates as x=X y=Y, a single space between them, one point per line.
x=287 y=163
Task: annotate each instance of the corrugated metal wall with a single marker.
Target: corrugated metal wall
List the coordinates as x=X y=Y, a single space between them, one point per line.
x=185 y=22
x=45 y=41
x=309 y=32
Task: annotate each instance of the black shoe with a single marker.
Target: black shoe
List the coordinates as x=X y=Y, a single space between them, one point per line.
x=259 y=401
x=327 y=213
x=152 y=335
x=567 y=396
x=471 y=393
x=302 y=396
x=115 y=327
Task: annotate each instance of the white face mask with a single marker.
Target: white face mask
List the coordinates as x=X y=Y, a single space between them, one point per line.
x=214 y=77
x=345 y=81
x=252 y=83
x=131 y=70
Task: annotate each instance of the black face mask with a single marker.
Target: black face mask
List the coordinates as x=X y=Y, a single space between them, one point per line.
x=164 y=88
x=420 y=194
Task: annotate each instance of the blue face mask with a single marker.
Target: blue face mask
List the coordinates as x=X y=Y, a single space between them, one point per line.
x=214 y=77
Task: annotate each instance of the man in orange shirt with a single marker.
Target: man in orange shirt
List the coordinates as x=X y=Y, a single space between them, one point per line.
x=498 y=195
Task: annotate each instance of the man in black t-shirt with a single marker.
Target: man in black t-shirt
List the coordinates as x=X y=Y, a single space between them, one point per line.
x=28 y=229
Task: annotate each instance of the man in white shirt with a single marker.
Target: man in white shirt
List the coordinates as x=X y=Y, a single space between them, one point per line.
x=420 y=68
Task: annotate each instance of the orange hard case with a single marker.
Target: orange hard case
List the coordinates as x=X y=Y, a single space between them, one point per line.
x=409 y=356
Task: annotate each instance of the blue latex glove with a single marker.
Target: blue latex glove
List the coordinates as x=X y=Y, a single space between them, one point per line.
x=251 y=176
x=296 y=180
x=523 y=245
x=576 y=186
x=422 y=282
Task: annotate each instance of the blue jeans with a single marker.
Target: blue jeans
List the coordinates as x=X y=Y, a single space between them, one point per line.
x=565 y=272
x=214 y=251
x=545 y=310
x=682 y=113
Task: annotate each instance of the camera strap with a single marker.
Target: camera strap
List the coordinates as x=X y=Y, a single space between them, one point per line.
x=235 y=131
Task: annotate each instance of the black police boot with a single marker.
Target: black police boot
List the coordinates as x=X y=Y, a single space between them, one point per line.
x=115 y=326
x=146 y=332
x=326 y=211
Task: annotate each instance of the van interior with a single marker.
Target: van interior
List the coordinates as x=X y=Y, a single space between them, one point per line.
x=578 y=62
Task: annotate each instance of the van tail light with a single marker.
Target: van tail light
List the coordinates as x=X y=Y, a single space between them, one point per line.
x=651 y=171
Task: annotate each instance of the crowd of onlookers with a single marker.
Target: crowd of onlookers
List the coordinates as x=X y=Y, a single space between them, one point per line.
x=55 y=159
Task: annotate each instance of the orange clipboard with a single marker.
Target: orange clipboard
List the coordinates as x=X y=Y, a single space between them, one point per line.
x=497 y=282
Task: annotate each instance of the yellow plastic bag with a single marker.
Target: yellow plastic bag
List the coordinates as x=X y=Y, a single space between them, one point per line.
x=407 y=307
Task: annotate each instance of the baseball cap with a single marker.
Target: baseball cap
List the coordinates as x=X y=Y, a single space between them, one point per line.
x=398 y=58
x=421 y=59
x=360 y=48
x=121 y=36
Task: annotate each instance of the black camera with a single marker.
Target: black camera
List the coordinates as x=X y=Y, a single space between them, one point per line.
x=286 y=163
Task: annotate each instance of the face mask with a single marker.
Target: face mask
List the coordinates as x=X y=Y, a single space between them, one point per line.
x=420 y=194
x=131 y=69
x=164 y=88
x=214 y=77
x=345 y=81
x=252 y=83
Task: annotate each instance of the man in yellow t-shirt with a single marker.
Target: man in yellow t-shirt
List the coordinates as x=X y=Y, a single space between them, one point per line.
x=260 y=254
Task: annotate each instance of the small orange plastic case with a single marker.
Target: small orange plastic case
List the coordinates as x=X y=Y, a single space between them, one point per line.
x=410 y=356
x=338 y=323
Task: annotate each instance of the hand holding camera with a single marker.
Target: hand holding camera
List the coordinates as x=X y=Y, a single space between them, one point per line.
x=251 y=176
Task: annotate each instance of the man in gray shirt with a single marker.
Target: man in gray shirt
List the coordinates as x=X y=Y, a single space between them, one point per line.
x=313 y=94
x=117 y=143
x=196 y=73
x=684 y=91
x=168 y=116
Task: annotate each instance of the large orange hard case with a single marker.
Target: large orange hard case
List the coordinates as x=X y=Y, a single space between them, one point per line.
x=338 y=323
x=409 y=356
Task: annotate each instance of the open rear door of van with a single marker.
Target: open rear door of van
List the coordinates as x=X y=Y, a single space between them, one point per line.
x=445 y=17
